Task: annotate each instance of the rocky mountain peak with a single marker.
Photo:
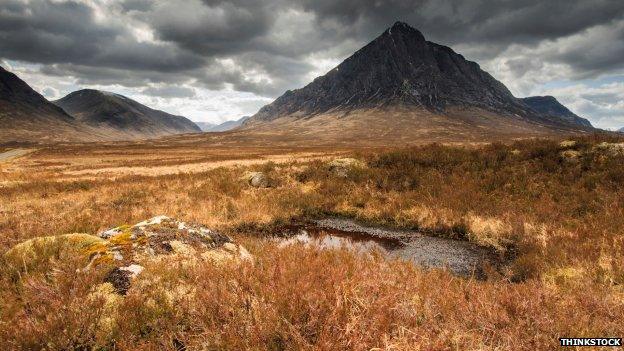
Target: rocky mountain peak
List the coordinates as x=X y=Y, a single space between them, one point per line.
x=399 y=67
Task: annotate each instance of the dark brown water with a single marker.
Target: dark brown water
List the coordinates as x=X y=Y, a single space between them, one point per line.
x=459 y=257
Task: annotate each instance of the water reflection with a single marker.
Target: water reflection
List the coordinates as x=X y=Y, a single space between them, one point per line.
x=330 y=239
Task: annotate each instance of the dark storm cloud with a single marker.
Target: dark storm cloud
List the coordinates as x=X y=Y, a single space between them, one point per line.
x=269 y=46
x=68 y=32
x=212 y=27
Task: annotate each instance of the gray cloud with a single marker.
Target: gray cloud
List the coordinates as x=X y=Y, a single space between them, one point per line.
x=170 y=91
x=266 y=47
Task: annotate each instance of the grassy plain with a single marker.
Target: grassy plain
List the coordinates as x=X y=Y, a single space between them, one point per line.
x=555 y=212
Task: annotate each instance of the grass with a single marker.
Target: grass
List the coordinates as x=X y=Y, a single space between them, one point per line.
x=560 y=220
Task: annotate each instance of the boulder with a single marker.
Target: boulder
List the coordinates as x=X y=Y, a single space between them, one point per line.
x=34 y=254
x=124 y=249
x=341 y=166
x=257 y=179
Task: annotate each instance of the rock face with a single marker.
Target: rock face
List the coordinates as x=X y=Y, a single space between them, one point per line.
x=399 y=66
x=400 y=69
x=127 y=248
x=118 y=114
x=549 y=106
x=25 y=115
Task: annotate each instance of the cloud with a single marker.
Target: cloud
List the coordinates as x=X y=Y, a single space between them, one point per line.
x=266 y=47
x=171 y=91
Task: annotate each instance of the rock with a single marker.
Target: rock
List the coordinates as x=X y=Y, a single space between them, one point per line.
x=342 y=166
x=257 y=179
x=126 y=247
x=163 y=236
x=38 y=252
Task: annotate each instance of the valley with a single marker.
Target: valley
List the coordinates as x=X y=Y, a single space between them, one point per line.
x=546 y=212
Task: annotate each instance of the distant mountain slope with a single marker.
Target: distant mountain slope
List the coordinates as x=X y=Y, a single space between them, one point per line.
x=621 y=130
x=400 y=74
x=223 y=127
x=549 y=106
x=25 y=115
x=204 y=126
x=116 y=113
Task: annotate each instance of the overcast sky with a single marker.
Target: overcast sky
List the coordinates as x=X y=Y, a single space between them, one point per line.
x=216 y=60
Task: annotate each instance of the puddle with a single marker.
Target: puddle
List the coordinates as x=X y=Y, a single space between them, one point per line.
x=459 y=257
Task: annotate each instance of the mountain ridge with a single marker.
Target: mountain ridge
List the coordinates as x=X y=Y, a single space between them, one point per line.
x=400 y=69
x=550 y=106
x=118 y=113
x=25 y=115
x=222 y=127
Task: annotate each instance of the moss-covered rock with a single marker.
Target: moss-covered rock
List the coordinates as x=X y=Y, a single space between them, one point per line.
x=125 y=249
x=37 y=253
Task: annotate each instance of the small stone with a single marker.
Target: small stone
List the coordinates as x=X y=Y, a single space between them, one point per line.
x=134 y=269
x=230 y=247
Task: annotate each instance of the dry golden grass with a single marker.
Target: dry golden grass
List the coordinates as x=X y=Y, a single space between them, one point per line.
x=560 y=221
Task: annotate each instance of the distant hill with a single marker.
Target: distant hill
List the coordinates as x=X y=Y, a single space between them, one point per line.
x=621 y=130
x=204 y=126
x=401 y=87
x=26 y=115
x=119 y=115
x=223 y=127
x=549 y=106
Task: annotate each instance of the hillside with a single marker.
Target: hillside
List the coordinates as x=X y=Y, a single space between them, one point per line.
x=25 y=115
x=117 y=114
x=550 y=106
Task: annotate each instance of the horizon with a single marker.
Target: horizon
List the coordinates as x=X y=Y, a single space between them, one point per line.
x=218 y=62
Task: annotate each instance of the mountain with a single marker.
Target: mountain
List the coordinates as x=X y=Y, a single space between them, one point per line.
x=402 y=86
x=621 y=130
x=549 y=106
x=25 y=115
x=121 y=116
x=223 y=127
x=204 y=126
